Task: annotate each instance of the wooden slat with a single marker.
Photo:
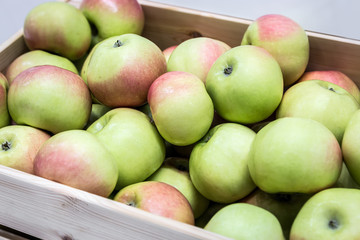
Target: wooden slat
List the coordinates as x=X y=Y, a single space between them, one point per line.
x=50 y=210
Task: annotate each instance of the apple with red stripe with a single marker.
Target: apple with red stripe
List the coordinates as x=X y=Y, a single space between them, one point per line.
x=121 y=69
x=196 y=56
x=58 y=27
x=286 y=41
x=49 y=98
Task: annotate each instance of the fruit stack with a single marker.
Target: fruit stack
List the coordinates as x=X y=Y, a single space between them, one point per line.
x=239 y=140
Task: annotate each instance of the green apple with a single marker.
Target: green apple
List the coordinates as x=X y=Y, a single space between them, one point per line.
x=284 y=206
x=336 y=77
x=245 y=221
x=350 y=146
x=219 y=163
x=210 y=211
x=333 y=213
x=78 y=159
x=322 y=101
x=134 y=141
x=97 y=111
x=4 y=113
x=181 y=108
x=57 y=27
x=19 y=145
x=113 y=17
x=345 y=179
x=284 y=39
x=121 y=69
x=158 y=198
x=245 y=84
x=295 y=155
x=175 y=171
x=49 y=98
x=196 y=56
x=37 y=58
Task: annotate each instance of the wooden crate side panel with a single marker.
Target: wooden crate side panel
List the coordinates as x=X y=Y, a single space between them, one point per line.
x=50 y=210
x=11 y=49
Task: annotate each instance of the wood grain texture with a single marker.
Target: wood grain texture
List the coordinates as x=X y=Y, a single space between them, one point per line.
x=50 y=210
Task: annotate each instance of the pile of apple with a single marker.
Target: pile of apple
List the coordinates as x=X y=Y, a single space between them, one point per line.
x=238 y=140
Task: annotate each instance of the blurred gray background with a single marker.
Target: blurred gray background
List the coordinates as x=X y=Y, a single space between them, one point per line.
x=334 y=17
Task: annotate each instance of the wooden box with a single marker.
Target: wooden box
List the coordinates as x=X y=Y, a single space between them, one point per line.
x=49 y=210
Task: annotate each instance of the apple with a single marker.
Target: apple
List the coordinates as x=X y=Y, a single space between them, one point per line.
x=181 y=108
x=336 y=77
x=350 y=146
x=78 y=159
x=218 y=163
x=175 y=171
x=122 y=68
x=345 y=179
x=37 y=58
x=158 y=198
x=97 y=111
x=19 y=145
x=319 y=100
x=295 y=155
x=57 y=27
x=133 y=140
x=167 y=52
x=4 y=113
x=49 y=98
x=286 y=41
x=196 y=56
x=245 y=84
x=284 y=206
x=245 y=221
x=113 y=17
x=210 y=211
x=333 y=213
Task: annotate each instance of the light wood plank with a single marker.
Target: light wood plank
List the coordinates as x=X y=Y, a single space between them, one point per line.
x=50 y=210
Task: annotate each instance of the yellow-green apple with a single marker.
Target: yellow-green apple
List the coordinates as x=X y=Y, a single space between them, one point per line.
x=333 y=213
x=78 y=159
x=37 y=58
x=345 y=179
x=50 y=98
x=295 y=155
x=175 y=171
x=122 y=68
x=218 y=163
x=350 y=146
x=245 y=221
x=322 y=101
x=113 y=17
x=57 y=27
x=19 y=145
x=167 y=52
x=336 y=77
x=245 y=84
x=210 y=211
x=133 y=140
x=286 y=41
x=181 y=108
x=4 y=113
x=284 y=206
x=196 y=56
x=97 y=111
x=158 y=198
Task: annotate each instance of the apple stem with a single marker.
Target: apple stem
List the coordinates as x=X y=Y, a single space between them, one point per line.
x=6 y=146
x=118 y=43
x=333 y=224
x=331 y=89
x=228 y=70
